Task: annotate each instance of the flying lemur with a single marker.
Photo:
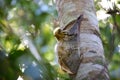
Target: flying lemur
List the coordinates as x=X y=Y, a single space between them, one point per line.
x=68 y=46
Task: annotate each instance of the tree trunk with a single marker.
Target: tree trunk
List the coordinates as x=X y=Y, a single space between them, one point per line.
x=92 y=64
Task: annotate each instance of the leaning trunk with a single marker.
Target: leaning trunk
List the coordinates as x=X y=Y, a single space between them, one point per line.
x=92 y=64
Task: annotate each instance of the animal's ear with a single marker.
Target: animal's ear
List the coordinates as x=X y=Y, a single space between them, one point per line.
x=75 y=29
x=57 y=33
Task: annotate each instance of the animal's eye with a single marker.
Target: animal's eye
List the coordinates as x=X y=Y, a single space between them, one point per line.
x=64 y=32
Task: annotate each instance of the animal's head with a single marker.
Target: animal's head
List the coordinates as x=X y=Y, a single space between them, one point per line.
x=66 y=34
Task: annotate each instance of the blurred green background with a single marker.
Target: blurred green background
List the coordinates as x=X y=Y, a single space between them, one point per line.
x=27 y=41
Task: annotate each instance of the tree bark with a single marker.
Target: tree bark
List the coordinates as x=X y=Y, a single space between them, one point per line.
x=92 y=65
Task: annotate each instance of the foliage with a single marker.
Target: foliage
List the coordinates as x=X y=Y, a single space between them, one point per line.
x=27 y=42
x=110 y=31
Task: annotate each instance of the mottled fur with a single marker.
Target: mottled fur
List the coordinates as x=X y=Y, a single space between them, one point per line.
x=68 y=46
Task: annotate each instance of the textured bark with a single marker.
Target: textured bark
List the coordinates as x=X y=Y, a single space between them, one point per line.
x=92 y=66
